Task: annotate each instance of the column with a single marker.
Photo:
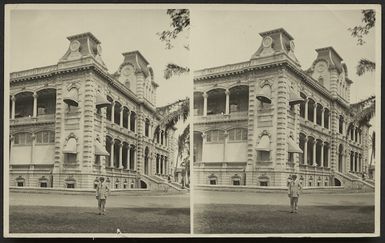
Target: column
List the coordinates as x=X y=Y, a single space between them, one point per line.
x=314 y=152
x=34 y=104
x=305 y=152
x=13 y=99
x=322 y=116
x=354 y=162
x=134 y=158
x=120 y=155
x=315 y=112
x=322 y=154
x=33 y=137
x=129 y=120
x=112 y=155
x=227 y=92
x=113 y=112
x=128 y=157
x=226 y=137
x=306 y=108
x=121 y=116
x=205 y=104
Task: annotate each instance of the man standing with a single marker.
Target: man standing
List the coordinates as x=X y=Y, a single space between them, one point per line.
x=102 y=191
x=293 y=191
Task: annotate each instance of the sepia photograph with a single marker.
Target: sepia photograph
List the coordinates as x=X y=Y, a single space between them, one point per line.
x=98 y=141
x=285 y=122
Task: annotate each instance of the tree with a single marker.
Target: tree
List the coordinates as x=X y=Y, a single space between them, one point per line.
x=369 y=21
x=364 y=110
x=180 y=23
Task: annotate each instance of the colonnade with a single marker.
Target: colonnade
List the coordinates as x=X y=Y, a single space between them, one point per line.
x=161 y=164
x=311 y=148
x=130 y=152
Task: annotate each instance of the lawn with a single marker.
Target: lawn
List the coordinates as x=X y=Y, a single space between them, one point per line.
x=52 y=219
x=236 y=218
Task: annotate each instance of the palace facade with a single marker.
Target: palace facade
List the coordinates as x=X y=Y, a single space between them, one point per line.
x=72 y=122
x=258 y=121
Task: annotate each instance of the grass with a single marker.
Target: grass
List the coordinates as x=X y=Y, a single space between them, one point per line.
x=38 y=219
x=235 y=218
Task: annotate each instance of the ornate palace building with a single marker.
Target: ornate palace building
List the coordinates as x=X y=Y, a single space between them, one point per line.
x=258 y=121
x=72 y=122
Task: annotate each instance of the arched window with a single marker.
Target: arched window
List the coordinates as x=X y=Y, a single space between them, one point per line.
x=215 y=136
x=341 y=124
x=147 y=128
x=238 y=134
x=45 y=137
x=23 y=138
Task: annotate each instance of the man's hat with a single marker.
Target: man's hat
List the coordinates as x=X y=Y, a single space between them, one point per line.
x=101 y=178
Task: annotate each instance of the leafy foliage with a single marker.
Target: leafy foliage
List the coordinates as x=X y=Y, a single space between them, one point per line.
x=173 y=112
x=180 y=21
x=364 y=110
x=369 y=20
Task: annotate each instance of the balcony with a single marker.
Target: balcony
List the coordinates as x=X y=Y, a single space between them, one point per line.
x=47 y=118
x=233 y=116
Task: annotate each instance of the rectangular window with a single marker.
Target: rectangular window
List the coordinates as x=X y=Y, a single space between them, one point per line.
x=263 y=183
x=97 y=159
x=70 y=158
x=236 y=182
x=213 y=181
x=20 y=184
x=71 y=185
x=264 y=155
x=43 y=184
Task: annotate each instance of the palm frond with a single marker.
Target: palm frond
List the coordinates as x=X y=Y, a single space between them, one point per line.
x=174 y=69
x=364 y=116
x=365 y=65
x=363 y=103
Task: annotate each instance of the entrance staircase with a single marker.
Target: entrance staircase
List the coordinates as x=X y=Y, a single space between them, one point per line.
x=156 y=183
x=353 y=182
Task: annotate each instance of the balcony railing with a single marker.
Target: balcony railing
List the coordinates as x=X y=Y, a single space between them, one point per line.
x=33 y=120
x=239 y=115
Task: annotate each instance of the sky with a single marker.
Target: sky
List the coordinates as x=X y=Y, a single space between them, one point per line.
x=39 y=38
x=222 y=37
